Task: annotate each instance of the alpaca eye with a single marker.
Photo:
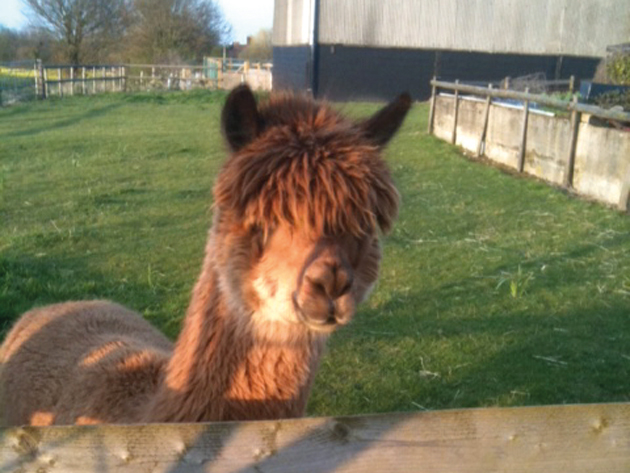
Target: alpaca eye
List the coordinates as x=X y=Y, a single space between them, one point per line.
x=361 y=248
x=257 y=242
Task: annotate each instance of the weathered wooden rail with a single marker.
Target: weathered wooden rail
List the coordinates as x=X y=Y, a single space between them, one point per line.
x=552 y=439
x=525 y=96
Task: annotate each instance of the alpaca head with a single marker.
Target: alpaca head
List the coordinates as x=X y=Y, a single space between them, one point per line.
x=299 y=206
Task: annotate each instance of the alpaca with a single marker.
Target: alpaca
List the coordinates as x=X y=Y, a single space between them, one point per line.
x=293 y=249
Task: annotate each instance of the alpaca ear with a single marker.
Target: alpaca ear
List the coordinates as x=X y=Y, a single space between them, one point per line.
x=240 y=122
x=381 y=127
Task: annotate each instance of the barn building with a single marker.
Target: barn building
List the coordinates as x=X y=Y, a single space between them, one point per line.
x=372 y=49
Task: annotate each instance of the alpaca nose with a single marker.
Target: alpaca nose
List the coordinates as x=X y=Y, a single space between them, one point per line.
x=319 y=299
x=329 y=277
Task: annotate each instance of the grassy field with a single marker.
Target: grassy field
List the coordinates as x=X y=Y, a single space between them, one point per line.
x=495 y=290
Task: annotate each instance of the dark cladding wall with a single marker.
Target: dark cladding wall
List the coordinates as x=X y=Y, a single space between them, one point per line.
x=291 y=67
x=355 y=73
x=472 y=66
x=359 y=73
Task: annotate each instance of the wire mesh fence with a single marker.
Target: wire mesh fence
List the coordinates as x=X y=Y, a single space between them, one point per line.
x=17 y=82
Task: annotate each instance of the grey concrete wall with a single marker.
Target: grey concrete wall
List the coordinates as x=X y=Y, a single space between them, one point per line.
x=602 y=159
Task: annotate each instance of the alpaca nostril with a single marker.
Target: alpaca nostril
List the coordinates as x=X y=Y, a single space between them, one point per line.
x=317 y=285
x=344 y=281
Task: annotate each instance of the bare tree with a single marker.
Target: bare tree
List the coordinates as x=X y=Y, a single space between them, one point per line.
x=259 y=48
x=17 y=45
x=175 y=30
x=76 y=23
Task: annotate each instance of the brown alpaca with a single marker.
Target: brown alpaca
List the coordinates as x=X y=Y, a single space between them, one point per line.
x=293 y=249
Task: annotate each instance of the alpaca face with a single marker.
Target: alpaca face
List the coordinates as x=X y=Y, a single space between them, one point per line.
x=296 y=278
x=315 y=281
x=299 y=206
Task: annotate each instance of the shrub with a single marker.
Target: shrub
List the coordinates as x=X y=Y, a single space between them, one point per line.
x=614 y=70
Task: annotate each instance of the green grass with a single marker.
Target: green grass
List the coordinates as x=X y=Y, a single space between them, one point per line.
x=494 y=290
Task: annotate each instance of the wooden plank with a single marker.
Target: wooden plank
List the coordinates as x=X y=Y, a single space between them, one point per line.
x=455 y=113
x=552 y=439
x=486 y=118
x=575 y=128
x=523 y=148
x=71 y=81
x=540 y=99
x=432 y=109
x=83 y=80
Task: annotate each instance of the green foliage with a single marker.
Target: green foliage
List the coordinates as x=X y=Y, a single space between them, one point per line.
x=614 y=98
x=110 y=197
x=618 y=69
x=518 y=281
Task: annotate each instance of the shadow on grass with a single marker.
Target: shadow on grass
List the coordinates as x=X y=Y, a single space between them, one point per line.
x=94 y=112
x=27 y=282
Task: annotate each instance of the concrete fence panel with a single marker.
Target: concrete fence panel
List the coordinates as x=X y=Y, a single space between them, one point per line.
x=602 y=163
x=601 y=167
x=547 y=142
x=469 y=124
x=503 y=139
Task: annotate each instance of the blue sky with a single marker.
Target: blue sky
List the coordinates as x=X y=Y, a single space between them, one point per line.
x=246 y=16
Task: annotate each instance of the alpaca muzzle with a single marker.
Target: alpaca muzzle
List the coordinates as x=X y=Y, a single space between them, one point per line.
x=323 y=299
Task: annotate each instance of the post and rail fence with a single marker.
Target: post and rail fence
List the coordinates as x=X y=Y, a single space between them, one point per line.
x=33 y=79
x=68 y=80
x=573 y=152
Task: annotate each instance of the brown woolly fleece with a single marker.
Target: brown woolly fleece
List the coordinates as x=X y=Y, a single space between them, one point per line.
x=293 y=249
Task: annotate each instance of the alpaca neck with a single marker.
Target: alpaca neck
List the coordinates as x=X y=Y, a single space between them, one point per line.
x=221 y=370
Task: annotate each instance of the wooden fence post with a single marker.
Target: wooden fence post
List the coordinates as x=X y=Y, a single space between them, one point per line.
x=59 y=82
x=72 y=80
x=486 y=118
x=42 y=78
x=523 y=148
x=36 y=77
x=575 y=128
x=83 y=80
x=93 y=79
x=123 y=79
x=572 y=84
x=455 y=113
x=103 y=82
x=45 y=82
x=432 y=109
